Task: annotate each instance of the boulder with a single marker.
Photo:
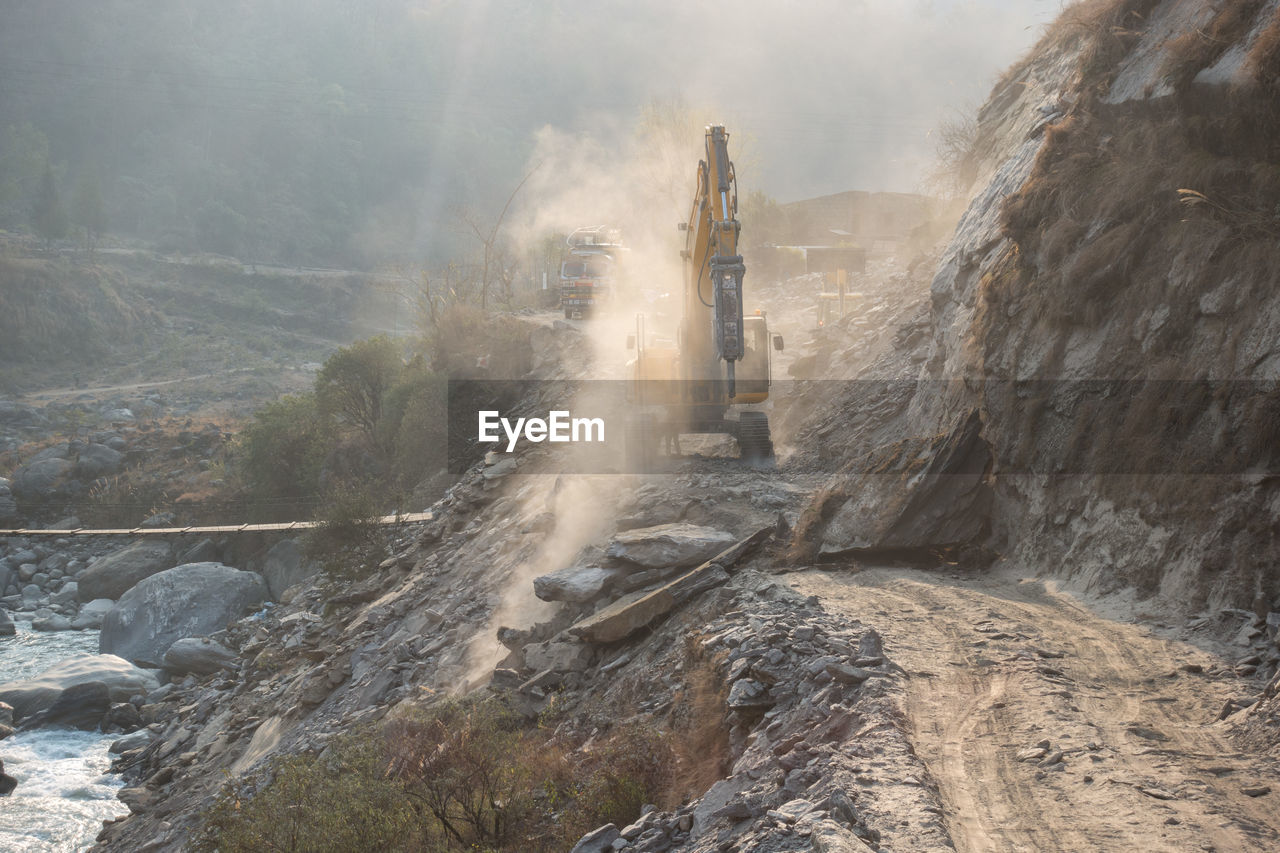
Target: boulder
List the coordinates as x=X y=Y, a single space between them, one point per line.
x=26 y=555
x=284 y=566
x=669 y=545
x=80 y=706
x=198 y=656
x=115 y=574
x=41 y=479
x=33 y=695
x=7 y=782
x=91 y=614
x=7 y=628
x=122 y=717
x=575 y=584
x=187 y=601
x=98 y=460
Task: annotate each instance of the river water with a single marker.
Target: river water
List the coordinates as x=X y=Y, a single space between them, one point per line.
x=64 y=791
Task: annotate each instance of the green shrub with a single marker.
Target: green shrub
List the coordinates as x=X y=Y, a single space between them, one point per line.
x=282 y=452
x=348 y=540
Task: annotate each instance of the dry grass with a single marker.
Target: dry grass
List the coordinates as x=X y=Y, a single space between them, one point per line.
x=699 y=736
x=1120 y=195
x=1193 y=51
x=1263 y=61
x=56 y=310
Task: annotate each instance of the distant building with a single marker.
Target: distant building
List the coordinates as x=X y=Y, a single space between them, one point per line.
x=859 y=219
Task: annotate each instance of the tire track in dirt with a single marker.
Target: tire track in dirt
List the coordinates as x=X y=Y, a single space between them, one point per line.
x=997 y=665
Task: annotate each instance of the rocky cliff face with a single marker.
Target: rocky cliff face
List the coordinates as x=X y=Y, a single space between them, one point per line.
x=1107 y=309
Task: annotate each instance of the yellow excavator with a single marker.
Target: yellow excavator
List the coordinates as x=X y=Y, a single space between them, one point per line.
x=721 y=356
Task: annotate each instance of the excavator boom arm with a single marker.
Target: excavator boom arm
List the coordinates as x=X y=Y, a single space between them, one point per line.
x=713 y=251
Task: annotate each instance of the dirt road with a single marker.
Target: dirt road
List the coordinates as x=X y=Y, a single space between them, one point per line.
x=997 y=665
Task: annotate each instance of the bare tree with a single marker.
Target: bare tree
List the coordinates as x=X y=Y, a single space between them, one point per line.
x=493 y=258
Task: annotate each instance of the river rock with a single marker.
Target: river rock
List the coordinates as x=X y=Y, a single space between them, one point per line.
x=113 y=575
x=80 y=706
x=33 y=695
x=7 y=628
x=7 y=782
x=198 y=656
x=186 y=601
x=574 y=584
x=52 y=622
x=66 y=595
x=91 y=614
x=284 y=566
x=669 y=545
x=98 y=460
x=138 y=740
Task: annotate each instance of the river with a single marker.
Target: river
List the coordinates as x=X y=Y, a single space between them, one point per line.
x=64 y=791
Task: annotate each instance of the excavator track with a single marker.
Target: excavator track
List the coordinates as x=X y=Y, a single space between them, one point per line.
x=754 y=441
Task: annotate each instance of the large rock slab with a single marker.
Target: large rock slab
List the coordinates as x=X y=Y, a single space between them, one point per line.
x=198 y=656
x=914 y=496
x=187 y=601
x=575 y=584
x=285 y=566
x=115 y=574
x=33 y=695
x=669 y=545
x=632 y=612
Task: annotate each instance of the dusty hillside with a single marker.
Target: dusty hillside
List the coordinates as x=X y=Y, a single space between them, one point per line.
x=1032 y=609
x=79 y=321
x=1104 y=321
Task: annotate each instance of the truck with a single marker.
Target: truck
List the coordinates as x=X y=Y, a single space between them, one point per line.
x=589 y=270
